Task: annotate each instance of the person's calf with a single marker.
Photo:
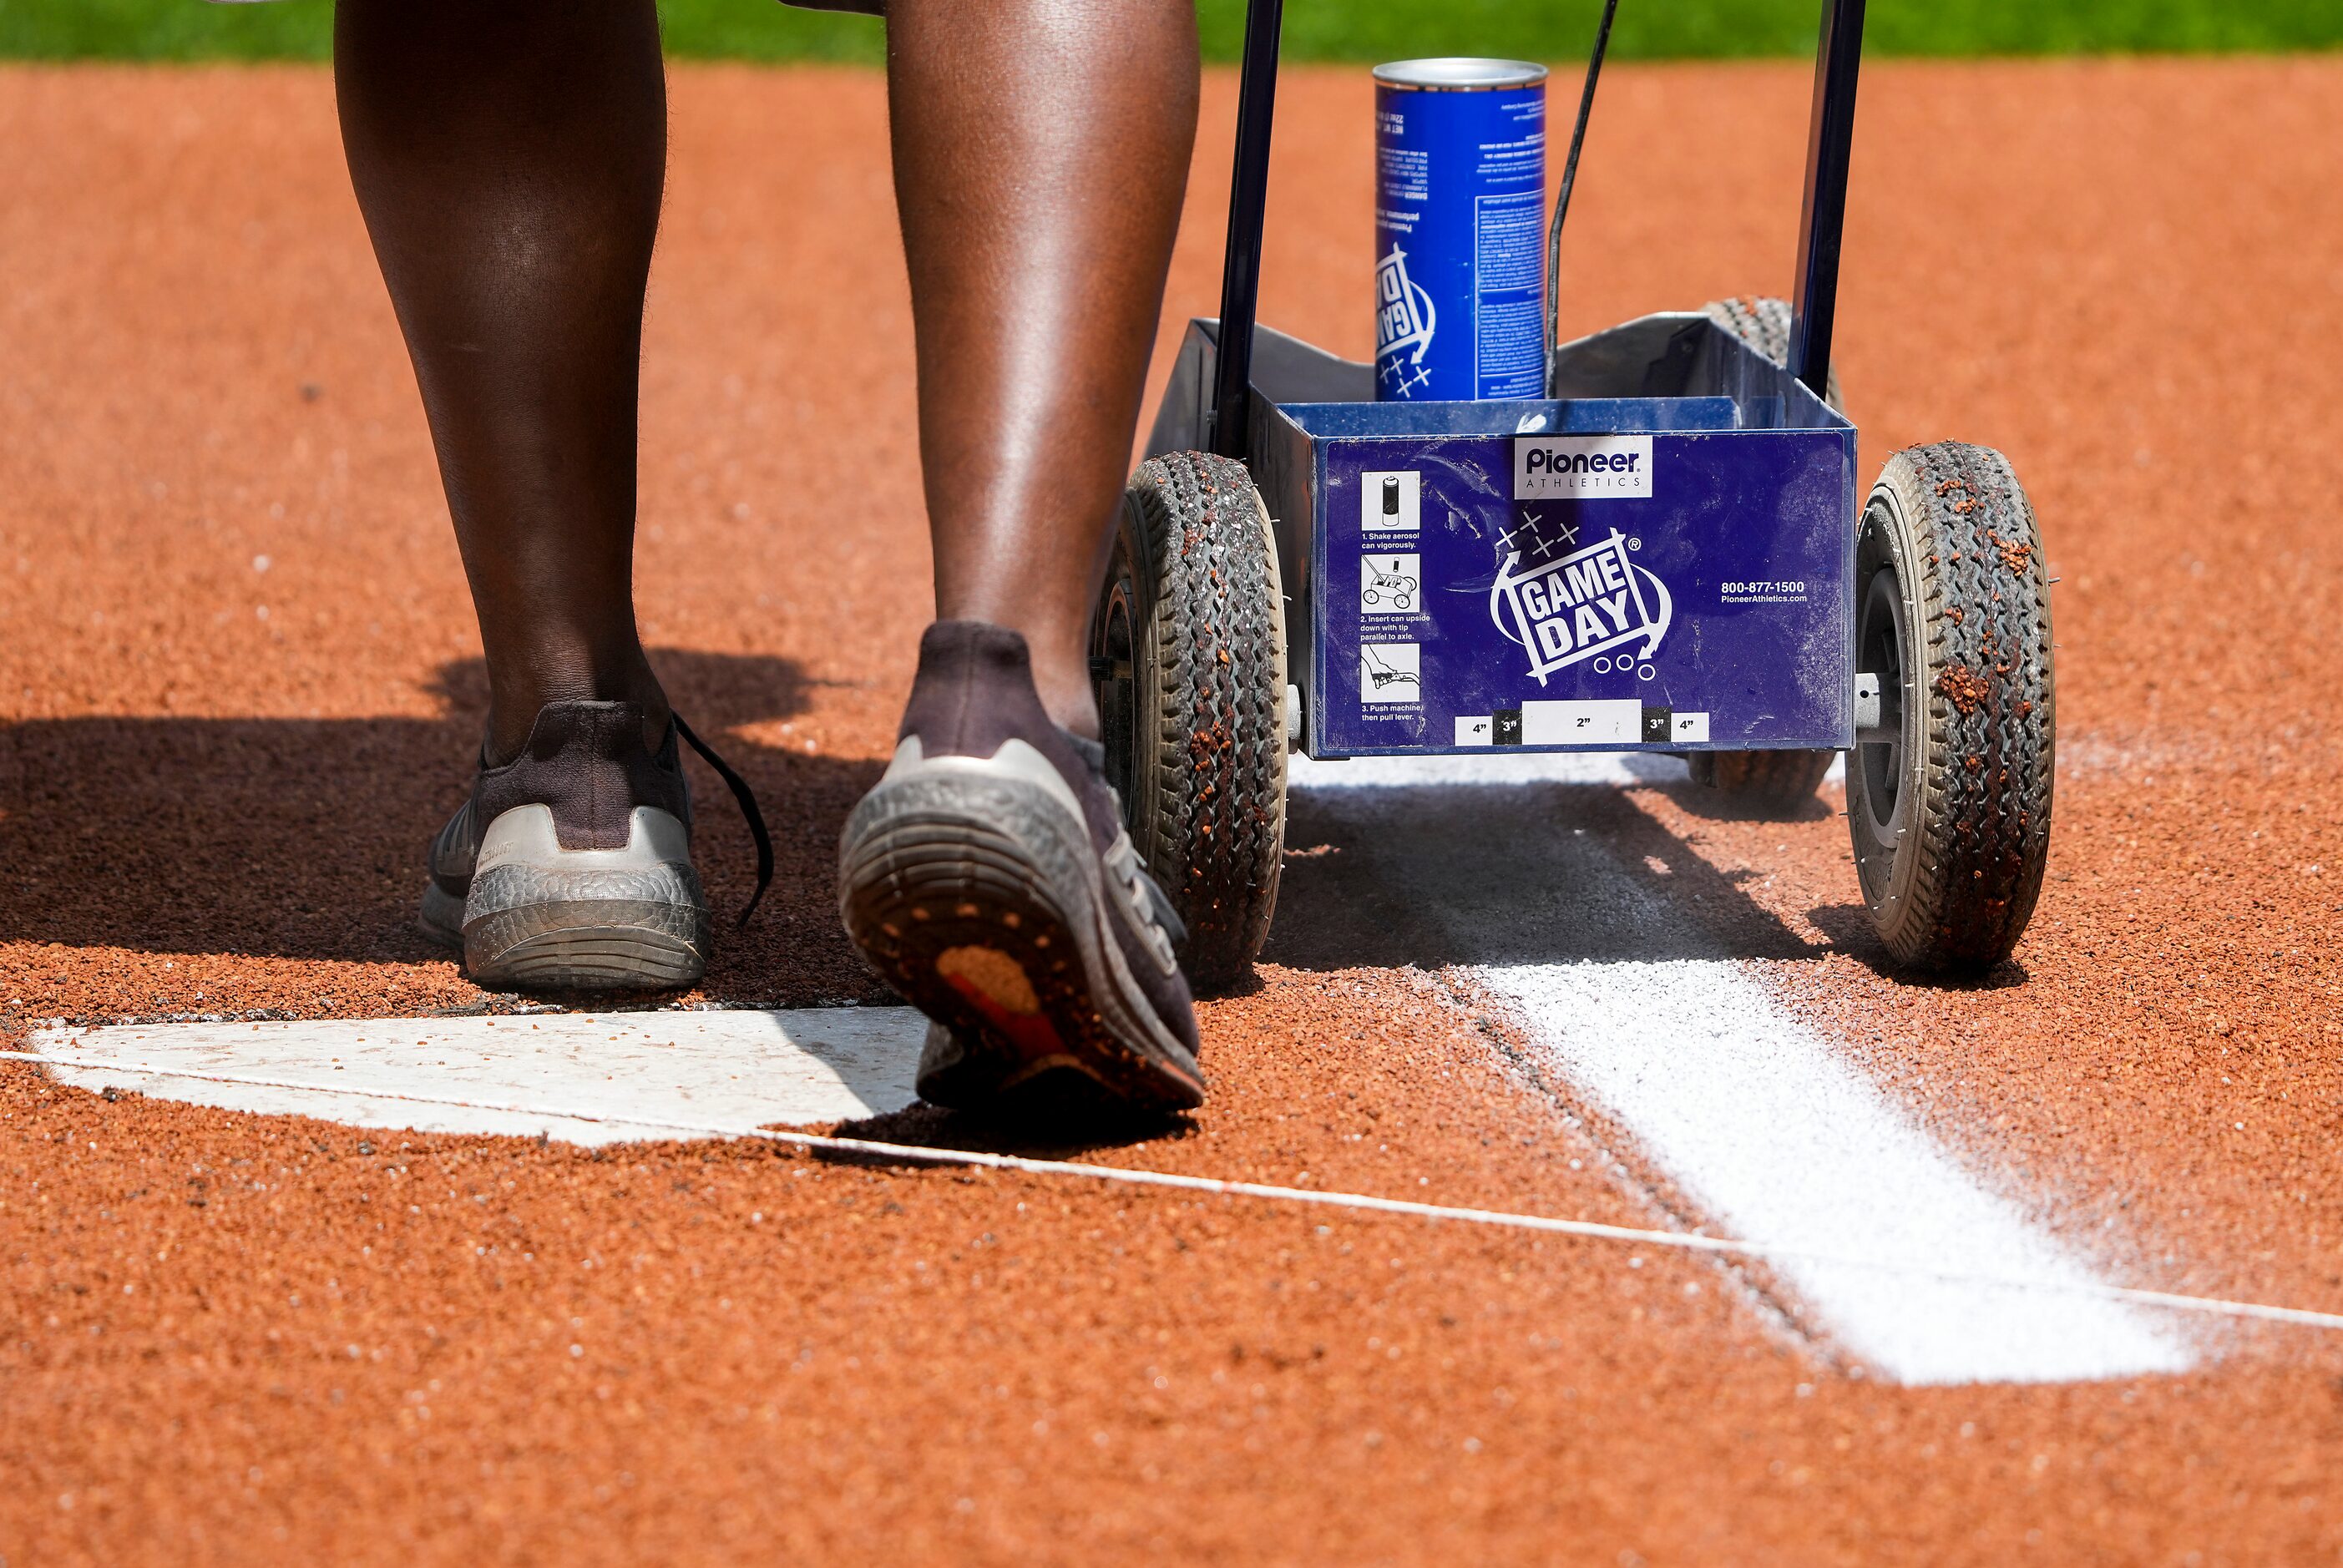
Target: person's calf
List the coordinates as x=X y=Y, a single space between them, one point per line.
x=509 y=162
x=1040 y=150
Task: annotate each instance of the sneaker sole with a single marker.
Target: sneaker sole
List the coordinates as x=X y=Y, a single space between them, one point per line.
x=978 y=898
x=541 y=918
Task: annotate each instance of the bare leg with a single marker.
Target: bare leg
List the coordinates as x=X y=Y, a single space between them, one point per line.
x=509 y=159
x=1040 y=152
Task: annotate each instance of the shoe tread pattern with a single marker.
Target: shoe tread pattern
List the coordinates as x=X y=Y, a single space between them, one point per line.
x=926 y=870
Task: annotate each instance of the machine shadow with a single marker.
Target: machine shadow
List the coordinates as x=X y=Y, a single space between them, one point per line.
x=1849 y=929
x=1489 y=874
x=304 y=839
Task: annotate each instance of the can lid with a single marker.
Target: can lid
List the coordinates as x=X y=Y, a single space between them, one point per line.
x=1459 y=73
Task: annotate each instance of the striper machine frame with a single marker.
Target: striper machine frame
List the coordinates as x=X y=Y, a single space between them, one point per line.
x=1668 y=552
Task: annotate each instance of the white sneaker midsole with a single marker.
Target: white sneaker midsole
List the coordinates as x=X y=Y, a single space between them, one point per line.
x=524 y=836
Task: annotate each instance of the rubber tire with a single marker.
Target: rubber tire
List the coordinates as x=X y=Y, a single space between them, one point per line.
x=1188 y=653
x=1763 y=322
x=1951 y=824
x=1763 y=784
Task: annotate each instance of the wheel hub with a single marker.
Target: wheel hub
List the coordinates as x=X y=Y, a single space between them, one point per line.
x=1877 y=765
x=1112 y=680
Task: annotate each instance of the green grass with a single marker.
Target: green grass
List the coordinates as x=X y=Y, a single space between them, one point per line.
x=1315 y=29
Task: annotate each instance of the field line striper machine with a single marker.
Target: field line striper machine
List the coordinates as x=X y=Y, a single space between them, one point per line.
x=1661 y=548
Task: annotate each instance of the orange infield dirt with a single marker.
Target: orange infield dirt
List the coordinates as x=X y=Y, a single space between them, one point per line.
x=241 y=687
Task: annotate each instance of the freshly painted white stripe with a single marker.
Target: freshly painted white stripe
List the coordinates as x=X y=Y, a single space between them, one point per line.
x=1758 y=1119
x=1768 y=1128
x=735 y=1070
x=923 y=1155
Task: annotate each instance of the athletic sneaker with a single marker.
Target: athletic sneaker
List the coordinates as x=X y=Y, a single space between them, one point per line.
x=988 y=879
x=571 y=866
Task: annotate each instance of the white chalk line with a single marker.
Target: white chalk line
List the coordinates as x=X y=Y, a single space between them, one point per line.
x=922 y=1154
x=1638 y=1013
x=1772 y=1133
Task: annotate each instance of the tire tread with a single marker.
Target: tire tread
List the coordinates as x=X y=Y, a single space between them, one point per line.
x=1990 y=730
x=1210 y=779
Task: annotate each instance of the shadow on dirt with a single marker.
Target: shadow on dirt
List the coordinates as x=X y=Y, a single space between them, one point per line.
x=1505 y=874
x=1848 y=927
x=1040 y=1123
x=1715 y=805
x=305 y=838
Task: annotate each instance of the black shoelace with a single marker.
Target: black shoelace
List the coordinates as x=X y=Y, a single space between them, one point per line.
x=747 y=799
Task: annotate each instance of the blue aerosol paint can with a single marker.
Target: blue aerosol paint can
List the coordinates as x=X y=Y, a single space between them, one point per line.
x=1460 y=229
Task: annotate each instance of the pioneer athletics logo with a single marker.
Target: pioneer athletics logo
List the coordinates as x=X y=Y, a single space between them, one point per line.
x=1590 y=604
x=1581 y=467
x=1405 y=322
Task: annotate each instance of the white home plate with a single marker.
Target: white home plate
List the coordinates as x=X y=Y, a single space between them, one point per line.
x=553 y=1074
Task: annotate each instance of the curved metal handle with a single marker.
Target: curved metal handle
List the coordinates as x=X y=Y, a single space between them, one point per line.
x=1248 y=202
x=1562 y=198
x=1830 y=147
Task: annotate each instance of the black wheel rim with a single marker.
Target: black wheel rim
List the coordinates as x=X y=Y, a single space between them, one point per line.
x=1113 y=676
x=1880 y=645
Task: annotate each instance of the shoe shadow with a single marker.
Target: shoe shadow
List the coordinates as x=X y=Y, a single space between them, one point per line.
x=305 y=838
x=1062 y=1115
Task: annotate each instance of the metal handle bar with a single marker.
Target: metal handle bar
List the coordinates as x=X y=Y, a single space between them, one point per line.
x=1830 y=145
x=1569 y=182
x=1248 y=200
x=1830 y=140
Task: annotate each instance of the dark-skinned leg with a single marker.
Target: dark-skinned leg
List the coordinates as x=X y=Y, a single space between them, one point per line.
x=508 y=159
x=1041 y=151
